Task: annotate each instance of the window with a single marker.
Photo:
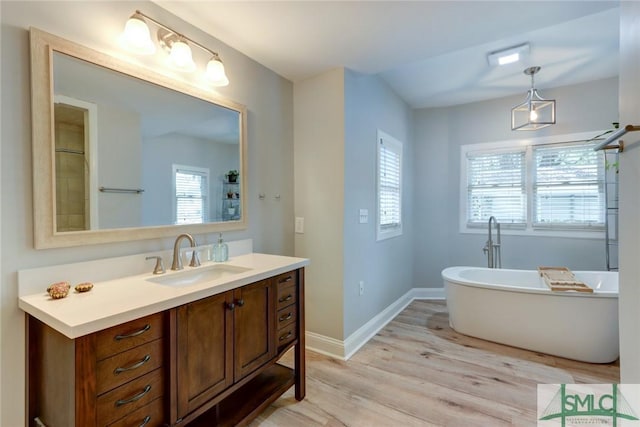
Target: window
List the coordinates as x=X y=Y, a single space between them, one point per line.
x=191 y=190
x=568 y=186
x=389 y=187
x=496 y=187
x=534 y=188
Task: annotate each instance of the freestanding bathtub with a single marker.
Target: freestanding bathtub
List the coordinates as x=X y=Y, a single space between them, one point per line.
x=515 y=307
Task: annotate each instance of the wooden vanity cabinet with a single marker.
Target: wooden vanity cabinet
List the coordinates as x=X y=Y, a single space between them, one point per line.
x=261 y=322
x=211 y=362
x=220 y=340
x=115 y=377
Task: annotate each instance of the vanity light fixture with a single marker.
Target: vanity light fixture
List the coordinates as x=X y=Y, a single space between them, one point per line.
x=509 y=55
x=535 y=112
x=137 y=38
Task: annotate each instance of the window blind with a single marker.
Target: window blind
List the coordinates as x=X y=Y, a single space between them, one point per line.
x=191 y=196
x=568 y=186
x=496 y=187
x=389 y=191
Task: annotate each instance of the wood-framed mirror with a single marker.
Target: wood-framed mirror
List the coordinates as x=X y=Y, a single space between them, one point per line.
x=122 y=153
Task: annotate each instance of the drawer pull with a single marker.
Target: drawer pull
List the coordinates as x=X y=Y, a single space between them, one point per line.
x=285 y=299
x=134 y=334
x=134 y=366
x=288 y=279
x=284 y=337
x=145 y=421
x=137 y=397
x=285 y=317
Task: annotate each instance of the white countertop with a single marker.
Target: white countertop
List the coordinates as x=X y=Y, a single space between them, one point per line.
x=112 y=302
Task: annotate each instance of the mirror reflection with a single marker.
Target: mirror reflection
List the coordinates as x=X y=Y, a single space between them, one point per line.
x=129 y=153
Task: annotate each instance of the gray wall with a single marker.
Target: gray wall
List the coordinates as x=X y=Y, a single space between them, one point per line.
x=162 y=152
x=440 y=132
x=268 y=97
x=119 y=159
x=384 y=266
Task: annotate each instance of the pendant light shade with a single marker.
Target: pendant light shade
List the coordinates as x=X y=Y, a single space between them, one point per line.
x=180 y=56
x=136 y=36
x=535 y=112
x=215 y=72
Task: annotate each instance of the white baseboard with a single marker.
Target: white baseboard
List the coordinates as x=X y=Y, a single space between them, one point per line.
x=343 y=350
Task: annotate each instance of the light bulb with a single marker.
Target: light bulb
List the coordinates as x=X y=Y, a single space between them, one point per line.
x=136 y=36
x=533 y=116
x=215 y=72
x=180 y=56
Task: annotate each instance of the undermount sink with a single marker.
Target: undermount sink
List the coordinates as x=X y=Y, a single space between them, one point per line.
x=199 y=275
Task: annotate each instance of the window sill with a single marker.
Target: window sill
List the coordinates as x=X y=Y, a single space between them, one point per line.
x=528 y=232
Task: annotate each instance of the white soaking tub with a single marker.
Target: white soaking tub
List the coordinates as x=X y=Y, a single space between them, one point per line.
x=515 y=307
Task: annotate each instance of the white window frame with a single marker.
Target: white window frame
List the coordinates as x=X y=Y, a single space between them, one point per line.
x=387 y=231
x=205 y=196
x=528 y=230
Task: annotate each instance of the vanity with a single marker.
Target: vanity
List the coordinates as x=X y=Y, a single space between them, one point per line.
x=196 y=347
x=123 y=152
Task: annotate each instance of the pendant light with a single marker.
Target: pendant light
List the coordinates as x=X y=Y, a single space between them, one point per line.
x=535 y=112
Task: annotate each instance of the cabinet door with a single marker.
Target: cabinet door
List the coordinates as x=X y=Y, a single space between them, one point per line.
x=204 y=350
x=254 y=322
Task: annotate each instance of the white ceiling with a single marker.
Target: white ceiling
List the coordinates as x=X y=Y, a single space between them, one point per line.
x=432 y=53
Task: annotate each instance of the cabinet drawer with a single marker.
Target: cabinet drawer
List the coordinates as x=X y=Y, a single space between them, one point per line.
x=151 y=415
x=286 y=316
x=123 y=367
x=289 y=278
x=123 y=400
x=128 y=335
x=287 y=295
x=286 y=335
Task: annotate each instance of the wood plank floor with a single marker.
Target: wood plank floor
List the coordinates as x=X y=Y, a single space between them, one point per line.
x=417 y=371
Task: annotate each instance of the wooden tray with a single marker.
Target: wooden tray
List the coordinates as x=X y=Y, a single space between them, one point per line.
x=562 y=279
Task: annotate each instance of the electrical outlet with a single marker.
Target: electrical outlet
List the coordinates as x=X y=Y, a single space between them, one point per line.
x=299 y=226
x=361 y=289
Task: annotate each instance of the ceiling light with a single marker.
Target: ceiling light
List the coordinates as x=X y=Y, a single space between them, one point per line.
x=535 y=112
x=508 y=55
x=137 y=38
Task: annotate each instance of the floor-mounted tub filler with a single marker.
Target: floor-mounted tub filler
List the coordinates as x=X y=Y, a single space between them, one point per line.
x=516 y=308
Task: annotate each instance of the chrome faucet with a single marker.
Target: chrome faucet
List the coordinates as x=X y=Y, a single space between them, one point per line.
x=494 y=258
x=177 y=259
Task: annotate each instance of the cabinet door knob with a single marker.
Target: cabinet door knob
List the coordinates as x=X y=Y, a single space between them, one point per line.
x=231 y=306
x=240 y=302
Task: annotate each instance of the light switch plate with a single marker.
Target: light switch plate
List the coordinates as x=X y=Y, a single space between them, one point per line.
x=299 y=228
x=364 y=216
